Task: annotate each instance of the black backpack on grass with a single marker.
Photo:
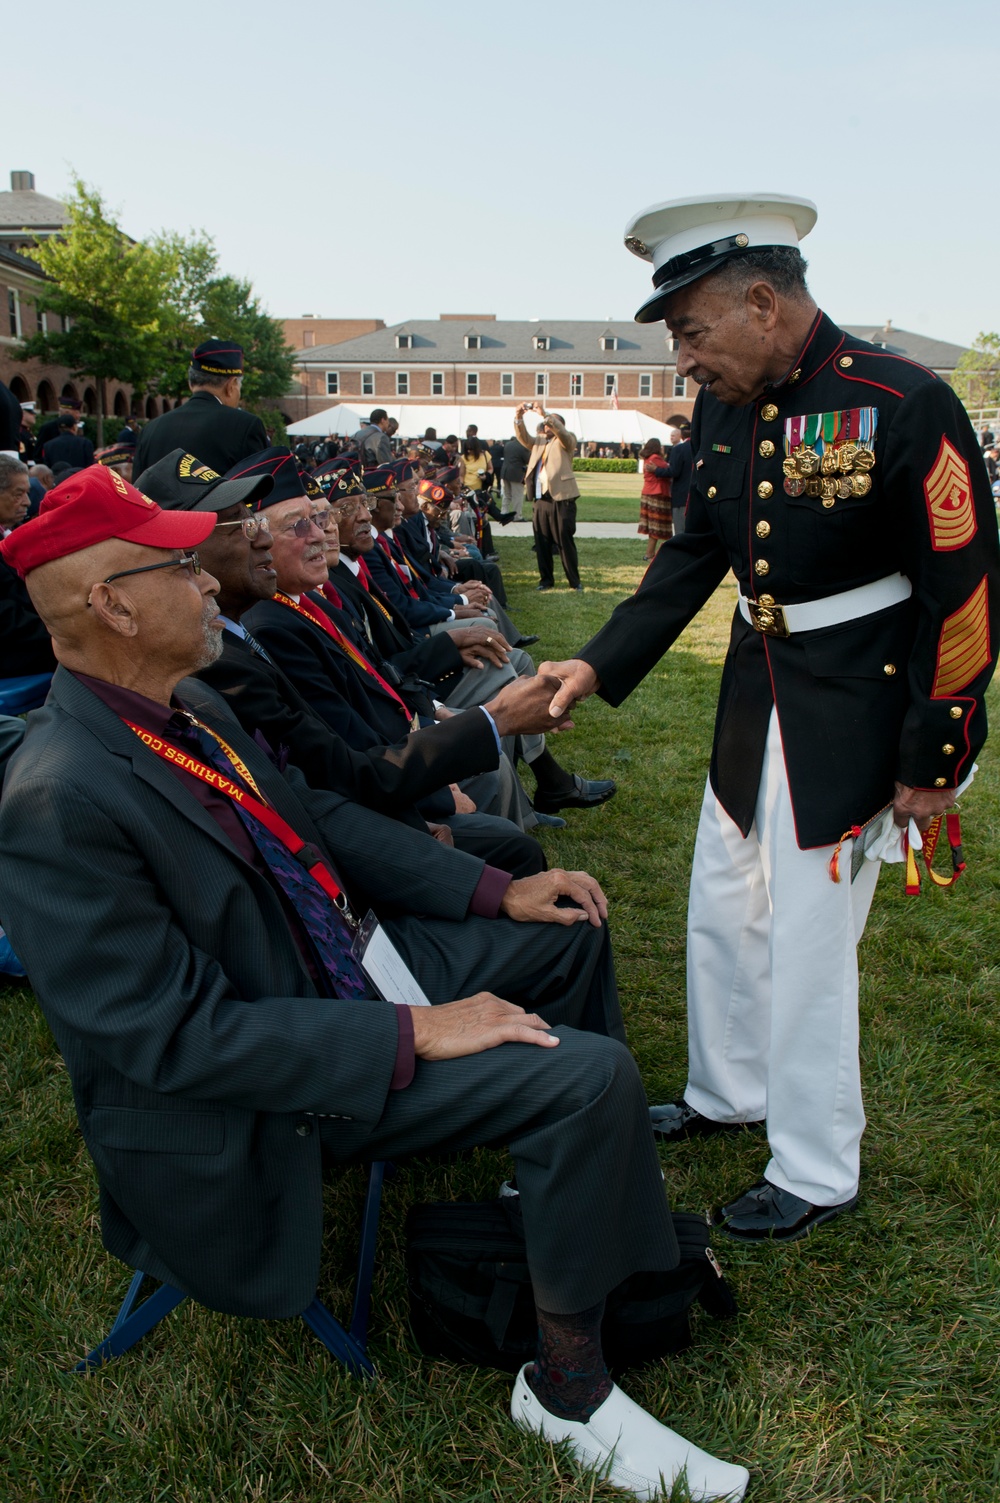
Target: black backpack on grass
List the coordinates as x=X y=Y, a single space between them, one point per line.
x=471 y=1298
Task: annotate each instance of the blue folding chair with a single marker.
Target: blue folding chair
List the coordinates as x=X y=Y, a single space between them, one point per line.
x=349 y=1347
x=18 y=695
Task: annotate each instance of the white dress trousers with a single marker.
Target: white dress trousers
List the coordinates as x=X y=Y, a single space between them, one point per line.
x=772 y=985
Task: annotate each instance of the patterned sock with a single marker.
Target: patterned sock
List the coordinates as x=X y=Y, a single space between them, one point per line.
x=569 y=1377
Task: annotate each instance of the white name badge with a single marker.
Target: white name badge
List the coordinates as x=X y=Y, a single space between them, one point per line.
x=384 y=966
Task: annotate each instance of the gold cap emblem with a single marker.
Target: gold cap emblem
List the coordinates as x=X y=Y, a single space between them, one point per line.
x=633 y=243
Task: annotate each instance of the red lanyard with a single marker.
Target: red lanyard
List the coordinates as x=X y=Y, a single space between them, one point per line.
x=305 y=853
x=930 y=840
x=322 y=620
x=407 y=584
x=371 y=588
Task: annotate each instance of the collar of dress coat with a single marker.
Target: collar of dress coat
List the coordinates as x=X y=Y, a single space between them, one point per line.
x=351 y=564
x=819 y=347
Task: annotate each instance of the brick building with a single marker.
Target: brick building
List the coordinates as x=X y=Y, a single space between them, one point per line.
x=27 y=216
x=472 y=359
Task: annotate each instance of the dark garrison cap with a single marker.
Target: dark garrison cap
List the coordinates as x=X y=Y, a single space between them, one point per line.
x=218 y=357
x=280 y=465
x=180 y=482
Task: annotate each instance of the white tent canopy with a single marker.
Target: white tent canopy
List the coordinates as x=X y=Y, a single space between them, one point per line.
x=591 y=425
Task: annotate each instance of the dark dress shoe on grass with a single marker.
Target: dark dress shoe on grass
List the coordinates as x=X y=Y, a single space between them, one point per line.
x=507 y=516
x=543 y=587
x=527 y=641
x=582 y=795
x=676 y=1119
x=766 y=1214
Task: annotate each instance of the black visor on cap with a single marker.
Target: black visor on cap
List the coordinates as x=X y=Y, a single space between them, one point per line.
x=681 y=271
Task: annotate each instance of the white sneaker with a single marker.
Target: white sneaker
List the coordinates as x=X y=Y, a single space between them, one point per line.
x=630 y=1448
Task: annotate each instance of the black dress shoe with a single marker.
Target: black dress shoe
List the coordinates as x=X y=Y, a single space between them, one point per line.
x=543 y=587
x=676 y=1119
x=507 y=516
x=527 y=641
x=767 y=1214
x=582 y=795
x=552 y=821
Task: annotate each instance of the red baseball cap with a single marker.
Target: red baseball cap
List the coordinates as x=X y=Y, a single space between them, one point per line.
x=92 y=506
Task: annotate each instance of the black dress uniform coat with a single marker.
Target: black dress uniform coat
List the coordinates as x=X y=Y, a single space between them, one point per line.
x=25 y=645
x=897 y=694
x=217 y=435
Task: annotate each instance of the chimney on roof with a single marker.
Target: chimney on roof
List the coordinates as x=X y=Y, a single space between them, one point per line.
x=22 y=182
x=887 y=329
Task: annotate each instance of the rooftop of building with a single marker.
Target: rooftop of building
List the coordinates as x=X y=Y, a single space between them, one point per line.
x=22 y=207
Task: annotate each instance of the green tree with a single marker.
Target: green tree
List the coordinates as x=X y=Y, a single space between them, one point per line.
x=977 y=374
x=203 y=303
x=108 y=292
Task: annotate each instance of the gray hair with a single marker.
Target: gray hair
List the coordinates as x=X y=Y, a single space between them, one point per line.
x=196 y=377
x=10 y=468
x=783 y=267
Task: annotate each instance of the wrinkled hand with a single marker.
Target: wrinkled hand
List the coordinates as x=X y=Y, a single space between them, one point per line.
x=533 y=899
x=441 y=832
x=467 y=612
x=920 y=805
x=479 y=646
x=475 y=592
x=474 y=1024
x=463 y=803
x=578 y=682
x=523 y=708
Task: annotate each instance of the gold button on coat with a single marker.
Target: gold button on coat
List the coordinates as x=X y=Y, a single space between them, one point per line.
x=765 y=490
x=845 y=362
x=955 y=712
x=763 y=529
x=769 y=412
x=889 y=669
x=940 y=782
x=711 y=492
x=948 y=749
x=766 y=449
x=762 y=566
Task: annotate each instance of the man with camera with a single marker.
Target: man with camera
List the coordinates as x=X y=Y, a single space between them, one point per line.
x=551 y=484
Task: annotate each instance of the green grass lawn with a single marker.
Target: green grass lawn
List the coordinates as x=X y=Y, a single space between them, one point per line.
x=608 y=498
x=864 y=1366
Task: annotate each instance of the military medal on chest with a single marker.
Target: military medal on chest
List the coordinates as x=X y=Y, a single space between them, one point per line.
x=828 y=454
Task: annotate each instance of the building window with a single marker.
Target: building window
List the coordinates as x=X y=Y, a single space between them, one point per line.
x=367 y=383
x=673 y=343
x=610 y=383
x=472 y=383
x=66 y=323
x=645 y=384
x=437 y=383
x=541 y=341
x=576 y=384
x=404 y=341
x=609 y=342
x=333 y=383
x=14 y=311
x=680 y=386
x=541 y=384
x=40 y=320
x=506 y=383
x=402 y=383
x=472 y=341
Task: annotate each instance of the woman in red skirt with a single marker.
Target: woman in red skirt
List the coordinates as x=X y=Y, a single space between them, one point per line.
x=655 y=517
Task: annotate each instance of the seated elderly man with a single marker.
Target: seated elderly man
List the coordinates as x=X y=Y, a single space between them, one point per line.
x=24 y=643
x=185 y=915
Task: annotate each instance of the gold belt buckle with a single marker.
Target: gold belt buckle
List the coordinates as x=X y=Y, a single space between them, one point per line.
x=768 y=618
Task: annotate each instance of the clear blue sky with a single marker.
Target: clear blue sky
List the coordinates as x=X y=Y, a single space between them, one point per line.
x=319 y=142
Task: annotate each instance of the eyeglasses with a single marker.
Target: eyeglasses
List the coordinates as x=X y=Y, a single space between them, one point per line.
x=252 y=526
x=302 y=528
x=190 y=561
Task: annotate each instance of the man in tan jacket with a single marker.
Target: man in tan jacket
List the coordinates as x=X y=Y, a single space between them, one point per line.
x=551 y=484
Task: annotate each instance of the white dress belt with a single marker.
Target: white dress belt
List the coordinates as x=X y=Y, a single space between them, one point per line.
x=782 y=620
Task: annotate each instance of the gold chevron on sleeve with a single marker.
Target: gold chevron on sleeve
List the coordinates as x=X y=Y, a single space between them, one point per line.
x=950 y=508
x=964 y=648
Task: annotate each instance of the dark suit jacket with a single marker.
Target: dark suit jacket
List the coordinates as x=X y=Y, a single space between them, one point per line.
x=421 y=612
x=431 y=658
x=346 y=697
x=391 y=777
x=217 y=435
x=69 y=448
x=10 y=420
x=25 y=645
x=680 y=464
x=193 y=1034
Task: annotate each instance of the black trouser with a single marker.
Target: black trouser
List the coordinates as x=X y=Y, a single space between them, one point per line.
x=554 y=524
x=574 y=1117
